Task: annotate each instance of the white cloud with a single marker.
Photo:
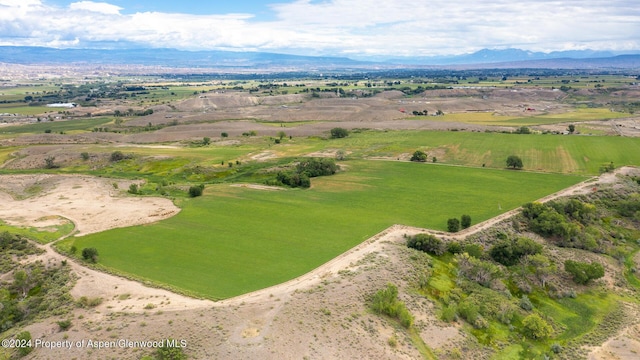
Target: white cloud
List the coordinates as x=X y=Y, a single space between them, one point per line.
x=99 y=7
x=354 y=27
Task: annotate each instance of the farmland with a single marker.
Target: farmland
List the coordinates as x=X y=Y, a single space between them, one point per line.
x=282 y=270
x=241 y=240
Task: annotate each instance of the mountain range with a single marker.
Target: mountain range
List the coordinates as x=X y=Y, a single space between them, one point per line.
x=486 y=58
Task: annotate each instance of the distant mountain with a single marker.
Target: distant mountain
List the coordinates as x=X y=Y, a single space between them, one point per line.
x=166 y=57
x=487 y=56
x=227 y=60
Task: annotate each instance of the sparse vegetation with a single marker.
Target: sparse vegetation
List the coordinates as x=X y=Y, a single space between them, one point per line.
x=386 y=302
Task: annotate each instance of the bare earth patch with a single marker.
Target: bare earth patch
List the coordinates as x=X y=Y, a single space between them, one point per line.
x=93 y=204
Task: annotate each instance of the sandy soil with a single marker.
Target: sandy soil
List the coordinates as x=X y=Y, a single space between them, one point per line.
x=320 y=314
x=92 y=204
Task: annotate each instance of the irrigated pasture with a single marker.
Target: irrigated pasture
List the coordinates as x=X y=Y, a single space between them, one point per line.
x=235 y=240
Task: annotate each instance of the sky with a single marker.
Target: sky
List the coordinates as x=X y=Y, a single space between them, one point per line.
x=352 y=28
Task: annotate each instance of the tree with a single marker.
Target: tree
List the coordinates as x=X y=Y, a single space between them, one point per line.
x=536 y=327
x=206 y=141
x=90 y=254
x=281 y=135
x=84 y=155
x=224 y=134
x=419 y=155
x=465 y=221
x=337 y=133
x=571 y=128
x=341 y=154
x=453 y=225
x=514 y=161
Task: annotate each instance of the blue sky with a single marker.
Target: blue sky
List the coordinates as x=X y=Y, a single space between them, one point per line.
x=353 y=28
x=202 y=7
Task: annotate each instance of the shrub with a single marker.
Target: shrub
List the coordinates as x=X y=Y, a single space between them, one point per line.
x=525 y=303
x=49 y=162
x=117 y=156
x=536 y=327
x=474 y=250
x=313 y=167
x=465 y=221
x=454 y=247
x=427 y=243
x=195 y=191
x=419 y=155
x=133 y=188
x=84 y=155
x=509 y=252
x=480 y=271
x=448 y=313
x=24 y=338
x=386 y=302
x=338 y=133
x=453 y=225
x=90 y=254
x=224 y=134
x=64 y=324
x=583 y=272
x=170 y=350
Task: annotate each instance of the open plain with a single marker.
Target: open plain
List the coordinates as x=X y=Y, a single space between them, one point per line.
x=244 y=271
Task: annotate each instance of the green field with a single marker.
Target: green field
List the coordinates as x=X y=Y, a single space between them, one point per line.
x=236 y=240
x=549 y=153
x=25 y=109
x=80 y=125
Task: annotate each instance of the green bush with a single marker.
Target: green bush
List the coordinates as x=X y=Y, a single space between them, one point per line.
x=474 y=250
x=583 y=272
x=386 y=302
x=338 y=133
x=133 y=189
x=90 y=254
x=419 y=156
x=525 y=303
x=24 y=338
x=453 y=225
x=465 y=221
x=117 y=156
x=64 y=324
x=509 y=252
x=536 y=327
x=195 y=191
x=167 y=352
x=427 y=243
x=448 y=313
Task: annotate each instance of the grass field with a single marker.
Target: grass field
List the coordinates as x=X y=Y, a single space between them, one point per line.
x=82 y=125
x=42 y=235
x=550 y=153
x=25 y=109
x=489 y=118
x=238 y=240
